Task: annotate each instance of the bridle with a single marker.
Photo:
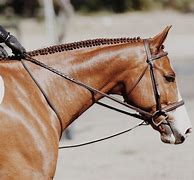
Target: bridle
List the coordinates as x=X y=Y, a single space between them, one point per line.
x=159 y=110
x=149 y=118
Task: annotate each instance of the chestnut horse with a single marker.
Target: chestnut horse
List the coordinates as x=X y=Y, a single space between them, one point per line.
x=32 y=121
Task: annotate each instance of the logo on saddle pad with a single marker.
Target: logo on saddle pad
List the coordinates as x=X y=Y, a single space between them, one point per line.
x=2 y=89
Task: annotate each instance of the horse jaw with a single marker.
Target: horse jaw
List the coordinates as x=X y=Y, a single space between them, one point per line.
x=178 y=127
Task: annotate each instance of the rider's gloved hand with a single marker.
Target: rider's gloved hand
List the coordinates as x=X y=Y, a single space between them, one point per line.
x=3 y=52
x=15 y=46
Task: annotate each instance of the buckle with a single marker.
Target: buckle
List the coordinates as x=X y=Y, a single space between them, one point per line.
x=156 y=120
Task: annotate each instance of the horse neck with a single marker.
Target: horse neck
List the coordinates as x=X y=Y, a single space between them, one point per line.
x=101 y=68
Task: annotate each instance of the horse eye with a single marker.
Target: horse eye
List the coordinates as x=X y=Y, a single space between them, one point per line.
x=170 y=78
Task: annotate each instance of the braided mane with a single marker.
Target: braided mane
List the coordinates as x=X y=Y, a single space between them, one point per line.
x=77 y=45
x=82 y=44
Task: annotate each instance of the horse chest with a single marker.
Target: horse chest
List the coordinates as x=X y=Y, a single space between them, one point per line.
x=2 y=89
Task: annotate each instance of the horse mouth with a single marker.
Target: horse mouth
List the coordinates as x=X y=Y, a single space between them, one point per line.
x=170 y=135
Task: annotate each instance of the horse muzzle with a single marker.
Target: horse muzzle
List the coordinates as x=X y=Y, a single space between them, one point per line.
x=174 y=127
x=170 y=135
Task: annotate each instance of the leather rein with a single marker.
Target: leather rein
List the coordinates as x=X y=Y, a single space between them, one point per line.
x=147 y=117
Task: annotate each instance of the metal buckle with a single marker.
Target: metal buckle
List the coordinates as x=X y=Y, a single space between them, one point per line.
x=156 y=117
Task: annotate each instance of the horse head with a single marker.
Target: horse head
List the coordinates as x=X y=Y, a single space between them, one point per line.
x=138 y=90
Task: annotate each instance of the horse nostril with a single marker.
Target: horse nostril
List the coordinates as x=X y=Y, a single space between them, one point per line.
x=188 y=131
x=182 y=139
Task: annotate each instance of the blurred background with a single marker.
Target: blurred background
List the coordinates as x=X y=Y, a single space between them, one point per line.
x=139 y=154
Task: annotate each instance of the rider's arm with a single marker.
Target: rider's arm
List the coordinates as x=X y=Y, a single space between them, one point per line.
x=11 y=42
x=3 y=34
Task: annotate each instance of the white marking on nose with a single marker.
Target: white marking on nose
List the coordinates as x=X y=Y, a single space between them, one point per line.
x=182 y=125
x=2 y=89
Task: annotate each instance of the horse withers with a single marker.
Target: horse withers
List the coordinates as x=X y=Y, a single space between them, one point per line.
x=37 y=105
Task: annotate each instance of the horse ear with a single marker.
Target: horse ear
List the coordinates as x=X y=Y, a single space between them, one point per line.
x=157 y=41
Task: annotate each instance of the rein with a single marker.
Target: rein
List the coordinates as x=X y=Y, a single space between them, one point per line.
x=104 y=138
x=147 y=117
x=93 y=90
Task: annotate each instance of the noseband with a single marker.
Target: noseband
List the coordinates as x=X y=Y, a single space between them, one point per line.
x=143 y=115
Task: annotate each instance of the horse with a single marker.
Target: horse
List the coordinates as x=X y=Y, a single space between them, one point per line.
x=37 y=105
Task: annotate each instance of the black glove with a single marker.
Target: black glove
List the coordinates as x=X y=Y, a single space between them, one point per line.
x=3 y=34
x=15 y=46
x=3 y=52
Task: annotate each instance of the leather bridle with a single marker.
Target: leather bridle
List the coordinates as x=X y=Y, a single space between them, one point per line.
x=159 y=110
x=150 y=118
